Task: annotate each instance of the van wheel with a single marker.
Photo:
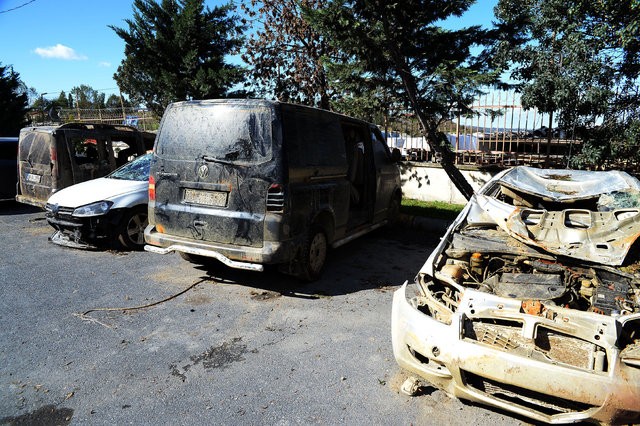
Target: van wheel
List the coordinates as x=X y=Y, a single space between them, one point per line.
x=131 y=228
x=394 y=211
x=196 y=259
x=314 y=254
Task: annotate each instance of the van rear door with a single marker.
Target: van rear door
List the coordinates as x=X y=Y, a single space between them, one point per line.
x=37 y=170
x=213 y=168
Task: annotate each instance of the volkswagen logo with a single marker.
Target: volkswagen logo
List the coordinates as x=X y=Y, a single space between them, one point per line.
x=203 y=171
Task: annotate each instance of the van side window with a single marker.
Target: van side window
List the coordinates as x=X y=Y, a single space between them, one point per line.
x=313 y=138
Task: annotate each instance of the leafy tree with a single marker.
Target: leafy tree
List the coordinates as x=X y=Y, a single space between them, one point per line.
x=13 y=102
x=86 y=97
x=432 y=67
x=578 y=61
x=115 y=101
x=175 y=50
x=287 y=55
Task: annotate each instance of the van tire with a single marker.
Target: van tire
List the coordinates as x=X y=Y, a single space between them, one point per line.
x=131 y=228
x=393 y=212
x=195 y=259
x=314 y=254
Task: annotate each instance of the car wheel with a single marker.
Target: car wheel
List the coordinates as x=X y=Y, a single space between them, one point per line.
x=131 y=230
x=314 y=254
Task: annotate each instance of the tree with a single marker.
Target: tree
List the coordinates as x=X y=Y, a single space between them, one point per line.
x=115 y=101
x=432 y=66
x=578 y=61
x=287 y=55
x=86 y=97
x=175 y=50
x=13 y=102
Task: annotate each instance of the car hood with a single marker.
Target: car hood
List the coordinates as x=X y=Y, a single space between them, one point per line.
x=101 y=189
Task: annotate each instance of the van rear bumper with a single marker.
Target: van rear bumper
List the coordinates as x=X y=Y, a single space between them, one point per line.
x=234 y=256
x=31 y=201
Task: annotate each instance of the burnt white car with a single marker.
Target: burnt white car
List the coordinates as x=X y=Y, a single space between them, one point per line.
x=110 y=210
x=531 y=301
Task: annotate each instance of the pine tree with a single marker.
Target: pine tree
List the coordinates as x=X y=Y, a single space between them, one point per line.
x=13 y=102
x=175 y=50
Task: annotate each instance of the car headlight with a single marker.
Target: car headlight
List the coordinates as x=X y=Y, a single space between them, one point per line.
x=94 y=209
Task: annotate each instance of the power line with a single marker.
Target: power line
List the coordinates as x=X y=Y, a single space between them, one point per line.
x=17 y=7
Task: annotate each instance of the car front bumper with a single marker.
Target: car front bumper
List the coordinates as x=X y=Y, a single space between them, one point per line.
x=84 y=232
x=561 y=369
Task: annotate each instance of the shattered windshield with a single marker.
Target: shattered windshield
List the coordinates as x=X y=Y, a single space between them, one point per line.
x=222 y=133
x=137 y=169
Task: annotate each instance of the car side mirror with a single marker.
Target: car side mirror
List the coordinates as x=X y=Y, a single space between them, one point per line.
x=396 y=155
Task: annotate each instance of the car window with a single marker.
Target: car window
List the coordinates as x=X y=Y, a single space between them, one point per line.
x=220 y=132
x=138 y=169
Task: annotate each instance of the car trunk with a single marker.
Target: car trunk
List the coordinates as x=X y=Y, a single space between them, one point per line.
x=219 y=196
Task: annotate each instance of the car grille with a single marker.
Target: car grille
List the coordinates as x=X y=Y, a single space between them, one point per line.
x=65 y=212
x=542 y=403
x=547 y=346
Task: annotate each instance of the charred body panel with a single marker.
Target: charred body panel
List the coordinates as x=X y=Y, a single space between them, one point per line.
x=51 y=158
x=246 y=182
x=532 y=325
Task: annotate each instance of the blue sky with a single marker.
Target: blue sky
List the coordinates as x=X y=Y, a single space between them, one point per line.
x=57 y=44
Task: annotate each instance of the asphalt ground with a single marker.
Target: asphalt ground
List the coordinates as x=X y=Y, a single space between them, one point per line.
x=215 y=346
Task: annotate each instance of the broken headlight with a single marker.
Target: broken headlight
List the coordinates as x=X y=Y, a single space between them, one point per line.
x=94 y=209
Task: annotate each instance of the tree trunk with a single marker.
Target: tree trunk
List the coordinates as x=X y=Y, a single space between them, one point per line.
x=430 y=128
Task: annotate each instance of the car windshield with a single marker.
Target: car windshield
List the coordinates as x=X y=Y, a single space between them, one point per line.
x=222 y=133
x=136 y=169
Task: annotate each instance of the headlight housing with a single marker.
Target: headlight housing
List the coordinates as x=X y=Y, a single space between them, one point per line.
x=95 y=209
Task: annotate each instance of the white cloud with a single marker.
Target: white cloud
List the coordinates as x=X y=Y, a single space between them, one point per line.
x=59 y=51
x=104 y=64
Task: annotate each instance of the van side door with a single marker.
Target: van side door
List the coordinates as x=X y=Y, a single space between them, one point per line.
x=387 y=174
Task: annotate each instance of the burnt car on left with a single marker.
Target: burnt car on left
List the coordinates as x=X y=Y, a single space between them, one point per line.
x=104 y=212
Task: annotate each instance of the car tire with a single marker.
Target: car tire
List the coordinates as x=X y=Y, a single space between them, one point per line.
x=314 y=254
x=131 y=228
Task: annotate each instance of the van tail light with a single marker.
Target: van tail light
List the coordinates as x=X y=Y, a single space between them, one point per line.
x=275 y=198
x=152 y=188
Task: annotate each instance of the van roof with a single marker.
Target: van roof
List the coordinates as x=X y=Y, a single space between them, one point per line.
x=81 y=126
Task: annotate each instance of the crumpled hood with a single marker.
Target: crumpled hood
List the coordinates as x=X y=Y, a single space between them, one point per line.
x=101 y=189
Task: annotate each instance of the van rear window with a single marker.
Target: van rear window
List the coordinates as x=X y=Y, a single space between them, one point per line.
x=239 y=134
x=34 y=147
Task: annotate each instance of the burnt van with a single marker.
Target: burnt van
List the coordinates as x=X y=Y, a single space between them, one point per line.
x=53 y=157
x=256 y=182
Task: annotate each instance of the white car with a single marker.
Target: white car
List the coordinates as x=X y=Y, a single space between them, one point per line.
x=531 y=301
x=110 y=210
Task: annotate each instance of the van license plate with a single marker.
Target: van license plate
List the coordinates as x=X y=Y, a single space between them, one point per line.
x=33 y=178
x=207 y=198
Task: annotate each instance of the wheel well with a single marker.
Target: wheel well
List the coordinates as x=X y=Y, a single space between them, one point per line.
x=325 y=220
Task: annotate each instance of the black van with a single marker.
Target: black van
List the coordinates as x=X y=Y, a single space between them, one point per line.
x=53 y=157
x=255 y=182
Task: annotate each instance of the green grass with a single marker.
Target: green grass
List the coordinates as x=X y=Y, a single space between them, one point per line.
x=436 y=209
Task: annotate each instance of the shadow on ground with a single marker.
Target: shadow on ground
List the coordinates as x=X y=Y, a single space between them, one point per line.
x=382 y=260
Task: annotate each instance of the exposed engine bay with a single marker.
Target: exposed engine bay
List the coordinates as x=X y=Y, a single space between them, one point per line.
x=485 y=254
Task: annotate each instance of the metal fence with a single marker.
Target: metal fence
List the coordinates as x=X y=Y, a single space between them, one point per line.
x=500 y=132
x=136 y=117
